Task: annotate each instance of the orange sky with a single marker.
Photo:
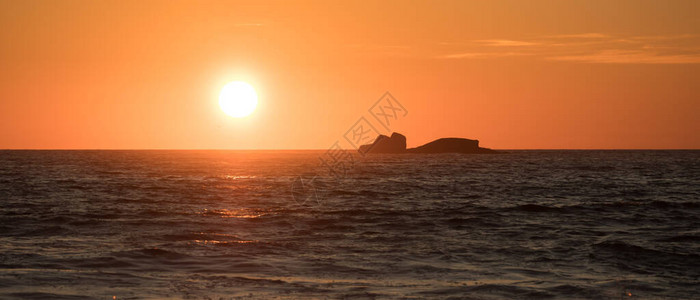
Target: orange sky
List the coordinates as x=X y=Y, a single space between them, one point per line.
x=513 y=74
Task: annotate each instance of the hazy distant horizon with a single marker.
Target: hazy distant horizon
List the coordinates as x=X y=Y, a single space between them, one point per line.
x=347 y=149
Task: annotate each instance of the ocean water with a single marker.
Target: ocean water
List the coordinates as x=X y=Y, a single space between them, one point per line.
x=257 y=224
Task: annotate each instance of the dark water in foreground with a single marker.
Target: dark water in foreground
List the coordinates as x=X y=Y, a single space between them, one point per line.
x=224 y=224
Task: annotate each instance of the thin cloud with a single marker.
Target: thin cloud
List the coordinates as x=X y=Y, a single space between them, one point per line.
x=506 y=43
x=665 y=37
x=480 y=55
x=630 y=57
x=590 y=35
x=587 y=48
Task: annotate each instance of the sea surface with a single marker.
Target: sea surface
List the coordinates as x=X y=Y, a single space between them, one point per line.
x=276 y=225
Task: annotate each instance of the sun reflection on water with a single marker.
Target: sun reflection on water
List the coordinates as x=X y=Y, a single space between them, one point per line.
x=217 y=242
x=235 y=177
x=241 y=213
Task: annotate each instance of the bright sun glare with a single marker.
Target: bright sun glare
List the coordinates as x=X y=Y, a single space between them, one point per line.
x=238 y=99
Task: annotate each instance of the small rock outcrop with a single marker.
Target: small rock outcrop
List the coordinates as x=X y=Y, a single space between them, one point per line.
x=397 y=144
x=384 y=144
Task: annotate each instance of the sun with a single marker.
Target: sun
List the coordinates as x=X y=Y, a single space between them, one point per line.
x=238 y=99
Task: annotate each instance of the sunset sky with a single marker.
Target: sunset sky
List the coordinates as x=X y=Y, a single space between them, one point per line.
x=513 y=74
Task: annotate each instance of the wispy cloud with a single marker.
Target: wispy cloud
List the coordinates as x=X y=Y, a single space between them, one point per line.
x=481 y=55
x=666 y=37
x=590 y=35
x=631 y=57
x=506 y=43
x=585 y=48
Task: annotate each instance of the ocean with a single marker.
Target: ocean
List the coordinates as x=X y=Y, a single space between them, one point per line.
x=274 y=225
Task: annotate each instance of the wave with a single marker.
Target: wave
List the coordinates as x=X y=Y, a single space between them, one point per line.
x=148 y=253
x=536 y=208
x=39 y=295
x=684 y=238
x=606 y=206
x=489 y=291
x=646 y=260
x=46 y=231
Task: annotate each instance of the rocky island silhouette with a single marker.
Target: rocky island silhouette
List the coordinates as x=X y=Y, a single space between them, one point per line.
x=396 y=143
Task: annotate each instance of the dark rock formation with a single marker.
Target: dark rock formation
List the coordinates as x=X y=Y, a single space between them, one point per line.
x=384 y=144
x=397 y=144
x=451 y=145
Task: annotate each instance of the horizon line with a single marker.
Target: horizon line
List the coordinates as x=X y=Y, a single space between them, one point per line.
x=321 y=149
